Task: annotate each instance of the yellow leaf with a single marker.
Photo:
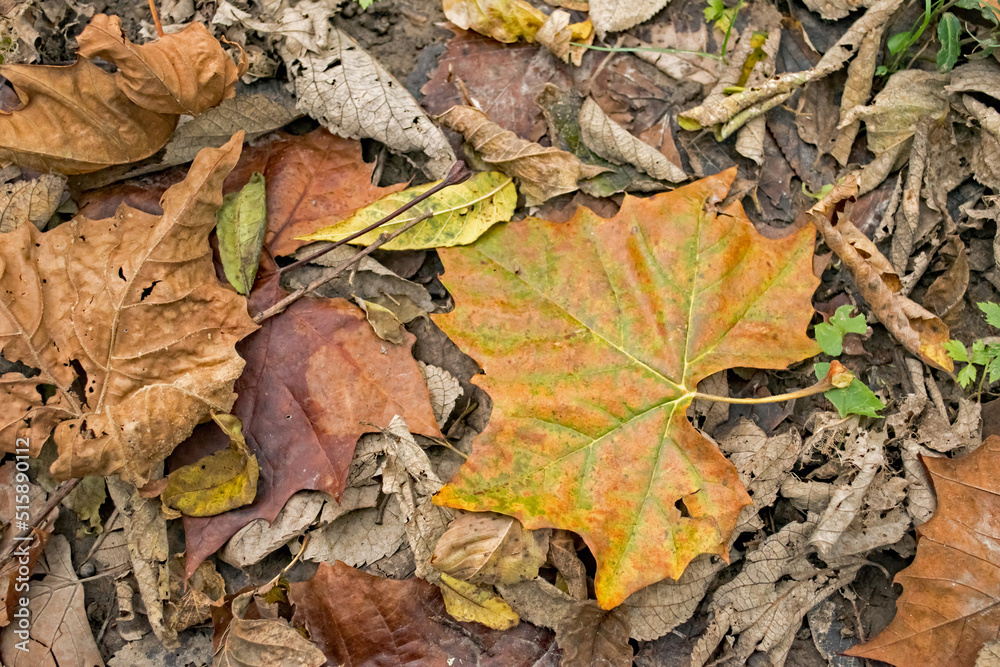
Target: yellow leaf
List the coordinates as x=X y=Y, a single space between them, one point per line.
x=219 y=482
x=468 y=602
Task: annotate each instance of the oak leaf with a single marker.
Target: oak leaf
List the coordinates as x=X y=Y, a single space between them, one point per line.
x=616 y=321
x=125 y=319
x=948 y=609
x=181 y=73
x=317 y=379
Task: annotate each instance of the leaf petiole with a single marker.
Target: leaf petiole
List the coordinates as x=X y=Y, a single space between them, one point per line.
x=837 y=377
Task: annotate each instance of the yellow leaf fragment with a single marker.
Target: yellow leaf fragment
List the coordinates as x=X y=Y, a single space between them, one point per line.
x=469 y=602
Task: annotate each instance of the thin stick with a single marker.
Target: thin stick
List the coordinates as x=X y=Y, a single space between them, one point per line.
x=319 y=282
x=459 y=172
x=156 y=18
x=57 y=496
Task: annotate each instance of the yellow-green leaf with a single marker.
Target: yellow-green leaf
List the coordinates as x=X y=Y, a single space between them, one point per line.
x=219 y=482
x=241 y=226
x=461 y=214
x=469 y=602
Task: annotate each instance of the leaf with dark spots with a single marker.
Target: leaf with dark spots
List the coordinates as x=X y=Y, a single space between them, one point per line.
x=317 y=379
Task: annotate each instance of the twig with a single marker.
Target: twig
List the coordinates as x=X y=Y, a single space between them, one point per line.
x=156 y=18
x=104 y=534
x=57 y=496
x=459 y=172
x=319 y=282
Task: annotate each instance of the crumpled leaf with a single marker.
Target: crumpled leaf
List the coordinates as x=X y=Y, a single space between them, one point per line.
x=488 y=548
x=85 y=500
x=948 y=608
x=542 y=172
x=605 y=311
x=259 y=537
x=191 y=598
x=296 y=376
x=242 y=222
x=479 y=604
x=261 y=641
x=445 y=390
x=98 y=292
x=33 y=201
x=384 y=322
x=858 y=87
x=363 y=535
x=617 y=15
x=613 y=142
x=511 y=20
x=180 y=73
x=589 y=635
x=59 y=631
x=219 y=482
x=918 y=330
x=358 y=619
x=76 y=120
x=10 y=506
x=462 y=213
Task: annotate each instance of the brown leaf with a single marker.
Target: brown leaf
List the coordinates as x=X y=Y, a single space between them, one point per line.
x=75 y=120
x=503 y=80
x=613 y=142
x=490 y=548
x=126 y=319
x=592 y=637
x=31 y=201
x=12 y=485
x=918 y=330
x=320 y=372
x=358 y=619
x=186 y=72
x=541 y=172
x=948 y=609
x=562 y=556
x=191 y=598
x=247 y=640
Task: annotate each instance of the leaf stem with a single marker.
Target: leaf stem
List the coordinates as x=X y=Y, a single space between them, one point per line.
x=458 y=173
x=837 y=377
x=319 y=282
x=656 y=49
x=156 y=18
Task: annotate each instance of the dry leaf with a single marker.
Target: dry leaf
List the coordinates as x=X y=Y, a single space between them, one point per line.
x=918 y=330
x=489 y=548
x=948 y=608
x=31 y=201
x=262 y=641
x=858 y=87
x=180 y=73
x=99 y=292
x=613 y=142
x=592 y=637
x=542 y=173
x=617 y=15
x=831 y=10
x=445 y=390
x=479 y=604
x=191 y=597
x=259 y=537
x=563 y=556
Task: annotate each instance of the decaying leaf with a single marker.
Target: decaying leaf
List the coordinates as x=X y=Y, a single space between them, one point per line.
x=191 y=597
x=219 y=482
x=296 y=376
x=948 y=608
x=613 y=142
x=444 y=388
x=831 y=10
x=489 y=548
x=59 y=632
x=920 y=331
x=589 y=635
x=180 y=73
x=462 y=213
x=617 y=15
x=261 y=641
x=96 y=293
x=856 y=90
x=33 y=201
x=259 y=537
x=9 y=508
x=469 y=602
x=242 y=222
x=542 y=172
x=621 y=317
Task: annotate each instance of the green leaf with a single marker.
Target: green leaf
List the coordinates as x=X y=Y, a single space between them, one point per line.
x=854 y=399
x=241 y=224
x=881 y=70
x=979 y=355
x=967 y=375
x=992 y=312
x=713 y=12
x=899 y=42
x=987 y=9
x=956 y=350
x=950 y=35
x=994 y=369
x=830 y=335
x=461 y=214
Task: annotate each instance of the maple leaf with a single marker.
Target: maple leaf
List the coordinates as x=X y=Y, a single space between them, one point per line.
x=593 y=335
x=317 y=379
x=949 y=607
x=125 y=319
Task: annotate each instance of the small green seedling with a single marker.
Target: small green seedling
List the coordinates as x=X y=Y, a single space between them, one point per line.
x=856 y=398
x=830 y=335
x=982 y=354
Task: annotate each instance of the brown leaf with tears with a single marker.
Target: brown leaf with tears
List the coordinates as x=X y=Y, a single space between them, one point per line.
x=920 y=331
x=950 y=604
x=181 y=73
x=317 y=379
x=125 y=318
x=542 y=172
